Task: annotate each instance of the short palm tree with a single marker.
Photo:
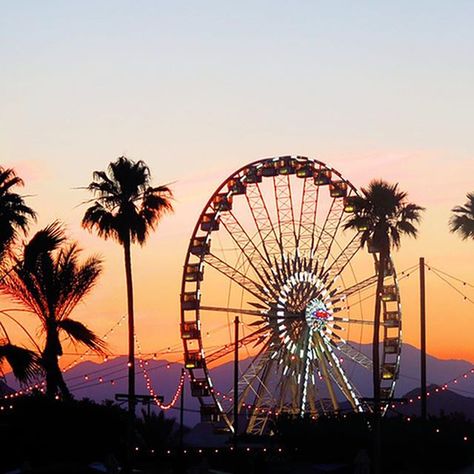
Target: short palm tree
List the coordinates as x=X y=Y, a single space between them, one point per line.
x=384 y=215
x=48 y=281
x=462 y=220
x=126 y=208
x=15 y=216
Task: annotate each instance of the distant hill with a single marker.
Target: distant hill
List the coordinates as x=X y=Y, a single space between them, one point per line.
x=5 y=389
x=102 y=381
x=438 y=403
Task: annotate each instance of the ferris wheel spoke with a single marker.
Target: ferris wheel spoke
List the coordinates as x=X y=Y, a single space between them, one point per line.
x=344 y=257
x=360 y=287
x=253 y=373
x=256 y=336
x=309 y=292
x=247 y=247
x=315 y=400
x=283 y=389
x=308 y=213
x=285 y=216
x=250 y=312
x=264 y=400
x=352 y=321
x=354 y=354
x=263 y=223
x=339 y=376
x=320 y=349
x=305 y=372
x=238 y=277
x=328 y=232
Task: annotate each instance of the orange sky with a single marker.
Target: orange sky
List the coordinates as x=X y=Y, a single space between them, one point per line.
x=157 y=266
x=198 y=91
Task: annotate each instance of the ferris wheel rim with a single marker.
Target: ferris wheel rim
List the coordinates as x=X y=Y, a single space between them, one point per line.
x=208 y=205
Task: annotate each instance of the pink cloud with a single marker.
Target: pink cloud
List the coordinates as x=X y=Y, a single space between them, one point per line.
x=430 y=177
x=31 y=171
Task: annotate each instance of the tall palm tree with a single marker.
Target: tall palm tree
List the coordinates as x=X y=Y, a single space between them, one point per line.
x=15 y=216
x=462 y=220
x=126 y=208
x=48 y=281
x=385 y=215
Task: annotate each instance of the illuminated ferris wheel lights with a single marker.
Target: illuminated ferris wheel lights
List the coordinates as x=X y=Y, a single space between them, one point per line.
x=289 y=265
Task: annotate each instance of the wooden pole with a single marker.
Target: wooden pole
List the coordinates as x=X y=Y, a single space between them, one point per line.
x=236 y=379
x=423 y=339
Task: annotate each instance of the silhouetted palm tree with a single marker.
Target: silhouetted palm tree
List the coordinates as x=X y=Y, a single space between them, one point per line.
x=126 y=208
x=14 y=217
x=48 y=280
x=385 y=214
x=14 y=213
x=462 y=220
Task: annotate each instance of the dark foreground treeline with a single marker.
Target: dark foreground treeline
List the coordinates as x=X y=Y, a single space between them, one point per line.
x=43 y=435
x=442 y=444
x=39 y=432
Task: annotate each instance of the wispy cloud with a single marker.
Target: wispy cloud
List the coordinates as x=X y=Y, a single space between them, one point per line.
x=31 y=171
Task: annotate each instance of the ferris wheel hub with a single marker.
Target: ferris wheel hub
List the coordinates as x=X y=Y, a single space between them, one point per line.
x=317 y=313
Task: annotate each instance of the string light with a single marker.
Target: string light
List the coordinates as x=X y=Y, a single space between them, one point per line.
x=464 y=283
x=89 y=351
x=149 y=386
x=438 y=274
x=439 y=388
x=40 y=386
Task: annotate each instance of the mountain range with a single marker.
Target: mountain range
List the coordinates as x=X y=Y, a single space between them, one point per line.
x=100 y=381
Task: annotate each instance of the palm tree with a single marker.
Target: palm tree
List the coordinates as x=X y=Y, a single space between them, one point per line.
x=462 y=220
x=48 y=281
x=384 y=215
x=126 y=208
x=14 y=213
x=14 y=218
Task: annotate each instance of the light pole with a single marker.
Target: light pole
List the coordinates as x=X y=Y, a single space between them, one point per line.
x=181 y=410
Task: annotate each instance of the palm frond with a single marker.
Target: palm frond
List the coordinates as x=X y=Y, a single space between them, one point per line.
x=126 y=207
x=50 y=281
x=43 y=242
x=78 y=332
x=24 y=363
x=463 y=225
x=14 y=213
x=82 y=280
x=462 y=219
x=97 y=217
x=386 y=214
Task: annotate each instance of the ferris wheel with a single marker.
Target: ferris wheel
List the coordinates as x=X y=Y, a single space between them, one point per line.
x=270 y=247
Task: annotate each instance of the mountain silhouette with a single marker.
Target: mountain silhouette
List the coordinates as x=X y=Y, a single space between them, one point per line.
x=101 y=381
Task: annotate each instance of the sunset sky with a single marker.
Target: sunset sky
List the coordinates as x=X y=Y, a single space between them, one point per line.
x=198 y=89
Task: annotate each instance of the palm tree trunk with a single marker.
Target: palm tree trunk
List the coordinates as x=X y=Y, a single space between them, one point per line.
x=54 y=376
x=131 y=326
x=51 y=379
x=376 y=363
x=131 y=352
x=62 y=384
